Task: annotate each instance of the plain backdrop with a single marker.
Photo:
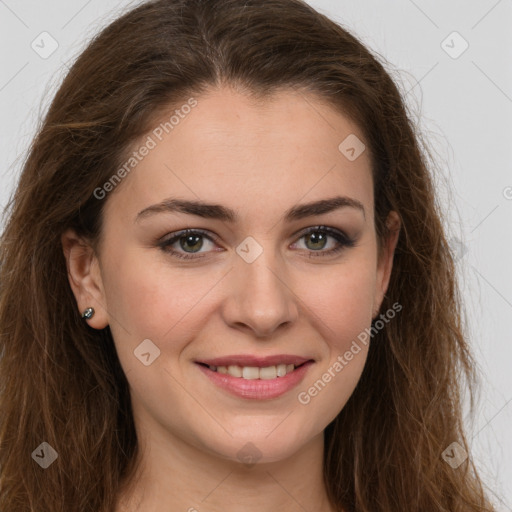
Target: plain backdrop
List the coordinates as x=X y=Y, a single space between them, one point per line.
x=452 y=60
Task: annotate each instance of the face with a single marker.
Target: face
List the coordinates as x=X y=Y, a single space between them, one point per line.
x=232 y=335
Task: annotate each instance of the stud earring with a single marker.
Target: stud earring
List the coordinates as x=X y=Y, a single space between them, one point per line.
x=88 y=313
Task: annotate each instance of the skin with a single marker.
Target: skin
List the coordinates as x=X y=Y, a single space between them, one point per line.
x=260 y=160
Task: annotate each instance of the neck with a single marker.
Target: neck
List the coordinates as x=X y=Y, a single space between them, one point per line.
x=175 y=476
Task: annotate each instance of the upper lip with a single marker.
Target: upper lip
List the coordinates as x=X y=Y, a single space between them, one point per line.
x=250 y=360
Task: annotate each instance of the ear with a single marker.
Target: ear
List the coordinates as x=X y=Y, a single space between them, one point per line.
x=385 y=261
x=85 y=277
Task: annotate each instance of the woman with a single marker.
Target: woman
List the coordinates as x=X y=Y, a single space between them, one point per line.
x=225 y=280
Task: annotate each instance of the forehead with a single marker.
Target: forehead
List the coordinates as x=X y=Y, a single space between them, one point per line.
x=232 y=148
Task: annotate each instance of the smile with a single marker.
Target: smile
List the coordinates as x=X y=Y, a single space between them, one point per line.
x=253 y=372
x=256 y=378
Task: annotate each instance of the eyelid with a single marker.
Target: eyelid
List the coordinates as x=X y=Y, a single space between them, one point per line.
x=320 y=227
x=343 y=240
x=215 y=238
x=187 y=231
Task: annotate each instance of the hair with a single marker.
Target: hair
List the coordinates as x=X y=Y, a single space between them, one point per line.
x=62 y=382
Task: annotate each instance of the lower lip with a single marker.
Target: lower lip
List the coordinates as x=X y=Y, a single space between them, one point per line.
x=258 y=389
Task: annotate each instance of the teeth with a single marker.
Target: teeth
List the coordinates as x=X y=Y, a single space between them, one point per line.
x=250 y=372
x=270 y=372
x=235 y=371
x=282 y=370
x=253 y=372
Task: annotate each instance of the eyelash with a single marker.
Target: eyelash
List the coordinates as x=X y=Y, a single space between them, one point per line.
x=342 y=239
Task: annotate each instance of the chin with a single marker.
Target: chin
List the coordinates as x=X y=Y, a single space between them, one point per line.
x=252 y=445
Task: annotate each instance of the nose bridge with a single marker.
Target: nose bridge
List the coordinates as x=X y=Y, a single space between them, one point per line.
x=262 y=299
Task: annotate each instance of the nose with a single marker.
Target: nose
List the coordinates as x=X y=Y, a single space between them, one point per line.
x=260 y=298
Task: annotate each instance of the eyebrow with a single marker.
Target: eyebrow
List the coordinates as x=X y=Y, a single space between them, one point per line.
x=223 y=213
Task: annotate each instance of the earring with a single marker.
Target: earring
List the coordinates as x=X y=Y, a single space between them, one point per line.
x=88 y=313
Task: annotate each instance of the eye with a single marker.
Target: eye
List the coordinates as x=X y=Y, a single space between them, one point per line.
x=316 y=239
x=191 y=241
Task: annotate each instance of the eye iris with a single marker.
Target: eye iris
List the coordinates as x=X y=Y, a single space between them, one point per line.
x=191 y=238
x=316 y=238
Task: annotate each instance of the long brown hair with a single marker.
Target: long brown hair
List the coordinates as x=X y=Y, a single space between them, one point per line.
x=62 y=382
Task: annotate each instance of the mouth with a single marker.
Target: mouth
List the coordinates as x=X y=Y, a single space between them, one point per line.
x=254 y=372
x=260 y=378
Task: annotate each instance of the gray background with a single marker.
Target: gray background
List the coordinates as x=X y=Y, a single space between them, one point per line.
x=461 y=101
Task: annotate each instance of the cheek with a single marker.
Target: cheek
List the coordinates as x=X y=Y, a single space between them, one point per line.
x=149 y=299
x=343 y=301
x=344 y=308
